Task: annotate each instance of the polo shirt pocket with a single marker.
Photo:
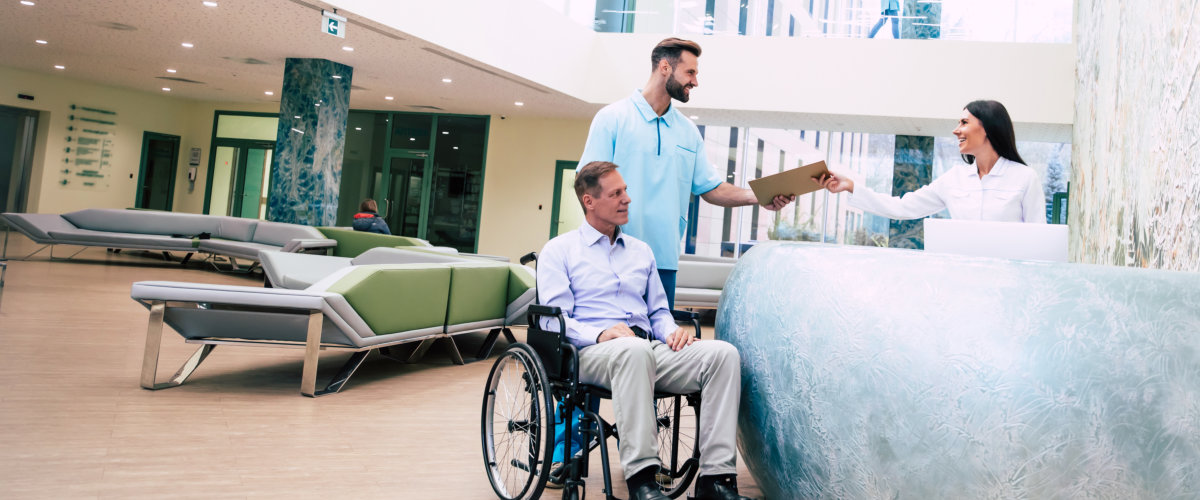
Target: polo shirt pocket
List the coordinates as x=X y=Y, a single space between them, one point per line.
x=685 y=164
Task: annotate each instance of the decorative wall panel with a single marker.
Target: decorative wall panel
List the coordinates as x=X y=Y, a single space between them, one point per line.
x=1135 y=180
x=913 y=170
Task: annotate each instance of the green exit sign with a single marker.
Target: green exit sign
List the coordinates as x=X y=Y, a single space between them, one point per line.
x=333 y=24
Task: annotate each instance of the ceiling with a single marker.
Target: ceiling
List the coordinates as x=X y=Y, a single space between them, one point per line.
x=239 y=51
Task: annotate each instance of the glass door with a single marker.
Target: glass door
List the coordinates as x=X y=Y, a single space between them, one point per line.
x=241 y=178
x=403 y=194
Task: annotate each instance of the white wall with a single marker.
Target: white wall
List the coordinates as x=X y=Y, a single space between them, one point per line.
x=137 y=112
x=856 y=85
x=518 y=186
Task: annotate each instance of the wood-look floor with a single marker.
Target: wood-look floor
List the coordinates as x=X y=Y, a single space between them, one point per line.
x=74 y=422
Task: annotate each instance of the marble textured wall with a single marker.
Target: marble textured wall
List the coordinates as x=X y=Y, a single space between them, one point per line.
x=928 y=27
x=912 y=170
x=307 y=169
x=1135 y=176
x=879 y=373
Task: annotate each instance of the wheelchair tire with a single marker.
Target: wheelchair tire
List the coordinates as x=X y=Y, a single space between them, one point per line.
x=678 y=443
x=516 y=425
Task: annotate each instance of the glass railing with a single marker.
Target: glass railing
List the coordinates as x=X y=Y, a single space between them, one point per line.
x=1028 y=21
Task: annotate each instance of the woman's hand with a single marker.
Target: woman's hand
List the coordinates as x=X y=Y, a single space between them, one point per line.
x=835 y=183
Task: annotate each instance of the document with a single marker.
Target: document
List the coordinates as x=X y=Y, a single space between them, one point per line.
x=796 y=181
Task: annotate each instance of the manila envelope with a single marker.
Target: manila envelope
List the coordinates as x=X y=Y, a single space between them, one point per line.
x=796 y=181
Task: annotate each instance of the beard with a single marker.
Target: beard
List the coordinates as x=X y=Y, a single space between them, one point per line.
x=676 y=90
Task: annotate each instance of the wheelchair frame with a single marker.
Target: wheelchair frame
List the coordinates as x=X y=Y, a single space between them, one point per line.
x=552 y=369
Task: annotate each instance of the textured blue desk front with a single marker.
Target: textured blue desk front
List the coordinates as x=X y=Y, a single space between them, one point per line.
x=882 y=373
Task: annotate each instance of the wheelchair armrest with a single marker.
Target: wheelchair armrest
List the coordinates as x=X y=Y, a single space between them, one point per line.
x=689 y=317
x=684 y=315
x=543 y=310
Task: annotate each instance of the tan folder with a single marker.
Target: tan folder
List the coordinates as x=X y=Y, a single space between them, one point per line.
x=796 y=181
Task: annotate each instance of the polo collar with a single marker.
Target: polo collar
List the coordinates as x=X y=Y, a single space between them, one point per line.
x=591 y=236
x=643 y=107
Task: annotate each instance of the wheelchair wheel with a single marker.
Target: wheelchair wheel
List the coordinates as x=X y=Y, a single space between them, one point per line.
x=678 y=443
x=517 y=422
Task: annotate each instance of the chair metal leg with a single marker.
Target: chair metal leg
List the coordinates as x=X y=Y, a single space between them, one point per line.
x=455 y=354
x=421 y=349
x=153 y=347
x=489 y=343
x=35 y=252
x=312 y=350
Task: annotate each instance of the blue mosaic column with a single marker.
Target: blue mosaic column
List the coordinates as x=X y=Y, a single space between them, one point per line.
x=307 y=168
x=922 y=19
x=913 y=169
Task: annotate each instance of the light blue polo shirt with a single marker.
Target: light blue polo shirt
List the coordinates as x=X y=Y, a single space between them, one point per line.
x=662 y=161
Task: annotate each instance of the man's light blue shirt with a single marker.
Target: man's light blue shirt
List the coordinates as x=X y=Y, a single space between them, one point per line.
x=598 y=283
x=662 y=161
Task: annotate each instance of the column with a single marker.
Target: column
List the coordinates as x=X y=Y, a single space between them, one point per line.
x=307 y=168
x=913 y=169
x=922 y=19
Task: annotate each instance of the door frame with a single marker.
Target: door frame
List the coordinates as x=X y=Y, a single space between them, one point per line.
x=241 y=145
x=147 y=136
x=215 y=142
x=385 y=182
x=559 y=166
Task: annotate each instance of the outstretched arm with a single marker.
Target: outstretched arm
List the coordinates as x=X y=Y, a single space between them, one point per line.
x=728 y=195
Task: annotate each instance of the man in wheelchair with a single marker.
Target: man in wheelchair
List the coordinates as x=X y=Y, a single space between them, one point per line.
x=615 y=309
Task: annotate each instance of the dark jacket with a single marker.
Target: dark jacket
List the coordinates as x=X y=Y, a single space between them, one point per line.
x=371 y=223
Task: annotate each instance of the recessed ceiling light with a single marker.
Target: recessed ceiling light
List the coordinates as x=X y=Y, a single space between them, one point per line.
x=357 y=128
x=446 y=80
x=27 y=2
x=169 y=70
x=41 y=42
x=187 y=45
x=210 y=4
x=389 y=97
x=348 y=48
x=269 y=92
x=59 y=66
x=519 y=103
x=166 y=89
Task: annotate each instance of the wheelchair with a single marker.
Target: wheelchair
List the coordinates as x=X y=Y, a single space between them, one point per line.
x=518 y=418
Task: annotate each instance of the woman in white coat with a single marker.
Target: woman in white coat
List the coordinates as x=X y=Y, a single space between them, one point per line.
x=994 y=184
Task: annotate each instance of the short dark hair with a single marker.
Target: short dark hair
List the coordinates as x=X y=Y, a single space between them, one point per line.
x=998 y=127
x=368 y=205
x=587 y=179
x=670 y=49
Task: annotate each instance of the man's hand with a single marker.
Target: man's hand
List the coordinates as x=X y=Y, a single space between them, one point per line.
x=680 y=339
x=779 y=202
x=615 y=332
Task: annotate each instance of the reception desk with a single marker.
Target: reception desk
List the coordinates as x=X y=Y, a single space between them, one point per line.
x=885 y=373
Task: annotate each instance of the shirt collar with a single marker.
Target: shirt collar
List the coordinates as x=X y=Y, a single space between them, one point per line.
x=997 y=169
x=591 y=236
x=643 y=107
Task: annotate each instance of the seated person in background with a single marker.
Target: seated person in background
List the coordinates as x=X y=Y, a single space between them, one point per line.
x=368 y=219
x=607 y=285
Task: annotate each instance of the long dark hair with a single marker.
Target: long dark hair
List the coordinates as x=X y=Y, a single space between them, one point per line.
x=998 y=127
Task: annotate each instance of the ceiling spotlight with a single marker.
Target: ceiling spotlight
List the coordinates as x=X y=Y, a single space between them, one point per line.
x=27 y=2
x=169 y=70
x=348 y=48
x=446 y=80
x=41 y=42
x=210 y=4
x=519 y=103
x=166 y=89
x=269 y=92
x=187 y=45
x=389 y=97
x=59 y=66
